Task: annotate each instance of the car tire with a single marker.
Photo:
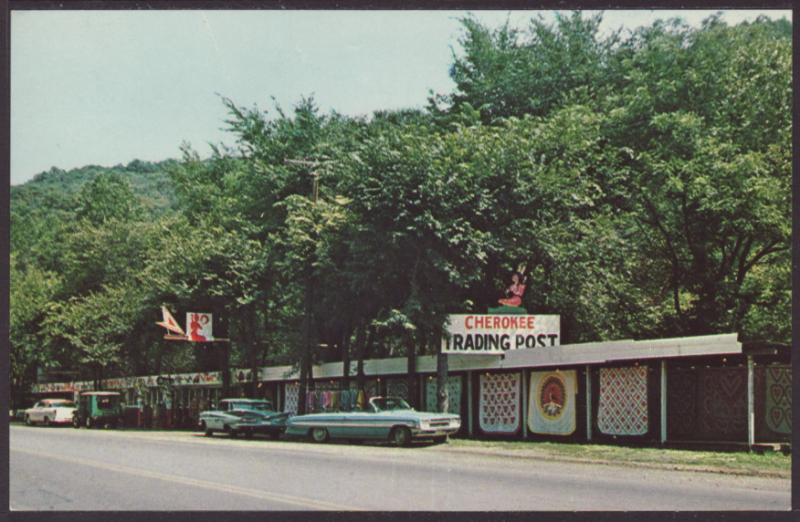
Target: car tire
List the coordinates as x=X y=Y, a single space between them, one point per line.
x=248 y=434
x=28 y=421
x=46 y=421
x=440 y=440
x=231 y=433
x=76 y=423
x=400 y=436
x=204 y=428
x=89 y=423
x=319 y=434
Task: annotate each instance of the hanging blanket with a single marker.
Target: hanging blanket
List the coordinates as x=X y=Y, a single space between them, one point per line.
x=681 y=403
x=453 y=395
x=723 y=404
x=397 y=388
x=779 y=399
x=623 y=401
x=499 y=402
x=551 y=409
x=292 y=394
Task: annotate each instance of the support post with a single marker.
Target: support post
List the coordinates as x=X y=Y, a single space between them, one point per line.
x=524 y=404
x=751 y=416
x=663 y=401
x=469 y=404
x=588 y=402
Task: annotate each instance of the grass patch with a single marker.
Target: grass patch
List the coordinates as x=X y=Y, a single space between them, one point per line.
x=769 y=464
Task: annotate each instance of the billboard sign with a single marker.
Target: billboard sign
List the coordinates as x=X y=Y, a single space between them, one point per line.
x=497 y=334
x=198 y=327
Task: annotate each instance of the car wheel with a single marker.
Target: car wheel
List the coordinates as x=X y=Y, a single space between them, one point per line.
x=89 y=423
x=207 y=432
x=400 y=436
x=46 y=421
x=319 y=434
x=231 y=433
x=248 y=434
x=28 y=420
x=76 y=423
x=440 y=440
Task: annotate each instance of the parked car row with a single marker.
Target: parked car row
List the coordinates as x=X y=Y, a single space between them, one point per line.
x=94 y=409
x=383 y=419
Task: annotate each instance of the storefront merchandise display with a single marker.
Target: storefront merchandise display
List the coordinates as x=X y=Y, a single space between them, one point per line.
x=779 y=399
x=551 y=405
x=723 y=403
x=499 y=404
x=453 y=394
x=622 y=408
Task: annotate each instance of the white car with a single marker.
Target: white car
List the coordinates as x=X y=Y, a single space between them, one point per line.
x=50 y=411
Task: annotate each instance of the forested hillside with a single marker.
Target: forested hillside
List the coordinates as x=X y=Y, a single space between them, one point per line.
x=645 y=179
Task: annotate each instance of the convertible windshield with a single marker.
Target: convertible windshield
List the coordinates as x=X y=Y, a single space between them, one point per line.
x=389 y=403
x=253 y=406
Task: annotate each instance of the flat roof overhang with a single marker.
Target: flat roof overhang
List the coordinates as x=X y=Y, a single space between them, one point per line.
x=564 y=355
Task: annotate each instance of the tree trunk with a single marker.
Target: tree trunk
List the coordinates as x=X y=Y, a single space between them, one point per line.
x=364 y=348
x=443 y=401
x=346 y=360
x=225 y=367
x=412 y=366
x=306 y=361
x=253 y=345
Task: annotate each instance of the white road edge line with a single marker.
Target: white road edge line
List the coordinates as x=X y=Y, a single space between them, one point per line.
x=225 y=488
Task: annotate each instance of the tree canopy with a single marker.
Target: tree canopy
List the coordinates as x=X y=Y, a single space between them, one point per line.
x=645 y=179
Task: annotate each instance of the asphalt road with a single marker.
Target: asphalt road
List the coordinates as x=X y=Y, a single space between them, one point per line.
x=68 y=469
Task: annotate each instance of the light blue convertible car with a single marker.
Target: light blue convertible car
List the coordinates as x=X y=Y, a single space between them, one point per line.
x=384 y=419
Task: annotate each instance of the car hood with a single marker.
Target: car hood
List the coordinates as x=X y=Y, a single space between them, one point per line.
x=395 y=414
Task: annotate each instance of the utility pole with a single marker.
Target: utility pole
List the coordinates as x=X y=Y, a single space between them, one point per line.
x=306 y=362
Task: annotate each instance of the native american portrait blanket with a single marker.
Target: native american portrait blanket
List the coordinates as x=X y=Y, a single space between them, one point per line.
x=779 y=399
x=453 y=394
x=499 y=404
x=551 y=404
x=622 y=408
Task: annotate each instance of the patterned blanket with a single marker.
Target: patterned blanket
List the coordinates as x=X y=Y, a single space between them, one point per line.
x=623 y=401
x=453 y=394
x=499 y=403
x=779 y=399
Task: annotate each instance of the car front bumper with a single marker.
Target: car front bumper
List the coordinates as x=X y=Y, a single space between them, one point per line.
x=434 y=432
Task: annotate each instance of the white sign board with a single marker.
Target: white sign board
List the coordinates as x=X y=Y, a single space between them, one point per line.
x=496 y=334
x=198 y=327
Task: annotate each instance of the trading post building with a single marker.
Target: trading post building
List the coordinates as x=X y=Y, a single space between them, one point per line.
x=510 y=378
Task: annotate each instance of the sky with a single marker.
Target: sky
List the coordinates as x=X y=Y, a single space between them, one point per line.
x=107 y=87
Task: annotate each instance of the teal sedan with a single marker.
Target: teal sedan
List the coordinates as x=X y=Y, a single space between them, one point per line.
x=385 y=419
